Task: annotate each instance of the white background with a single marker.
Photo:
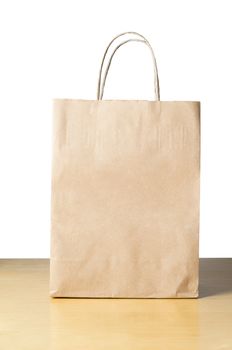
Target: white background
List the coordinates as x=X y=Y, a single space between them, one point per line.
x=51 y=49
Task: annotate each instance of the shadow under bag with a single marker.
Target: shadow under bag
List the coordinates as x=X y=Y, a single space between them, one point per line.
x=125 y=195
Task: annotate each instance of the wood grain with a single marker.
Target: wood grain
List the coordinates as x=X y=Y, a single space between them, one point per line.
x=31 y=320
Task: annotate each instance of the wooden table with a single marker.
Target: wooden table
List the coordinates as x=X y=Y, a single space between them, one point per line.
x=31 y=320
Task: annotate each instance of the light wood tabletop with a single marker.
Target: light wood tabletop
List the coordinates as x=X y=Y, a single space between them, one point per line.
x=31 y=320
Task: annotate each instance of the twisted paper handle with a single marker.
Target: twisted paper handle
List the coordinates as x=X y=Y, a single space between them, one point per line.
x=101 y=82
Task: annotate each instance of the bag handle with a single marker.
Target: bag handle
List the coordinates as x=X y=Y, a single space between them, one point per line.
x=101 y=82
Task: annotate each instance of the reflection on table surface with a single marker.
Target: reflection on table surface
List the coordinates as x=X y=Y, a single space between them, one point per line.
x=30 y=319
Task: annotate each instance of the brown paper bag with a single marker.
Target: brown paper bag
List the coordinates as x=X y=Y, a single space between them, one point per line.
x=125 y=196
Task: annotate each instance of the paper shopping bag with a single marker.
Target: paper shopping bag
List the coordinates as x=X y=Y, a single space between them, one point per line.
x=125 y=196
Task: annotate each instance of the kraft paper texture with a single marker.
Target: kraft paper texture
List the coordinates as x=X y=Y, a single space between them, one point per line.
x=125 y=199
